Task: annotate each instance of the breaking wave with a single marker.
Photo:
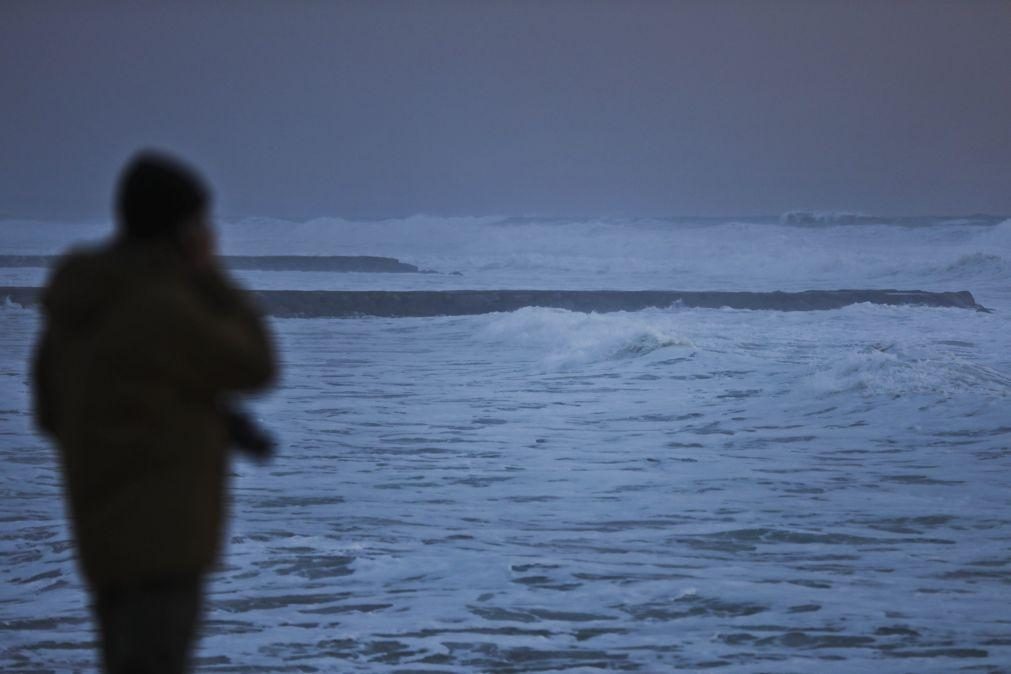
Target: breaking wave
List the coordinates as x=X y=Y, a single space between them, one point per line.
x=895 y=370
x=977 y=264
x=827 y=218
x=566 y=339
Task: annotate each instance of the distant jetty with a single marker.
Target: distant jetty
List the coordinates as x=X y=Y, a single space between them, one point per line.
x=405 y=303
x=331 y=263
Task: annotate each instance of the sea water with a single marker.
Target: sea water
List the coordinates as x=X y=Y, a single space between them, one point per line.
x=542 y=490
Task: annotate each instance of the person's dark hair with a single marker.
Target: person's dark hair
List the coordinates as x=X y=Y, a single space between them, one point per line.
x=157 y=194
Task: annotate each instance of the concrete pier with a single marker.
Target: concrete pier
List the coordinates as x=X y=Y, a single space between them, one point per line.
x=398 y=303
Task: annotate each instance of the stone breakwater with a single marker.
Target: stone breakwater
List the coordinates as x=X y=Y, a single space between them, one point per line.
x=417 y=303
x=333 y=263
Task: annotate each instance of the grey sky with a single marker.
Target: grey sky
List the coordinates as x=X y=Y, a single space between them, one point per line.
x=628 y=107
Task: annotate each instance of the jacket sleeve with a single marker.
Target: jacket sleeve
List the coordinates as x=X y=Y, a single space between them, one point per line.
x=43 y=408
x=203 y=333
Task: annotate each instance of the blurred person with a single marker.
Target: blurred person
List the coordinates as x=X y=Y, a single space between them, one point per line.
x=143 y=341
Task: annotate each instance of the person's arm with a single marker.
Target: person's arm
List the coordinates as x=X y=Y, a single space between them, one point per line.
x=43 y=408
x=215 y=288
x=216 y=344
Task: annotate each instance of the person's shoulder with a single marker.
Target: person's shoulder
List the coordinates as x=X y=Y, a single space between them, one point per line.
x=92 y=279
x=76 y=276
x=79 y=260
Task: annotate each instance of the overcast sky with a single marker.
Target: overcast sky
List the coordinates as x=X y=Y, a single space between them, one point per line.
x=626 y=107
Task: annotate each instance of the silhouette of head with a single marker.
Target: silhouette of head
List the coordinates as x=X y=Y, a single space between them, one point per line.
x=157 y=196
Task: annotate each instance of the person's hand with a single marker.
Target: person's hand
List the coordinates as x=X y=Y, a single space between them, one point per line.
x=199 y=244
x=249 y=437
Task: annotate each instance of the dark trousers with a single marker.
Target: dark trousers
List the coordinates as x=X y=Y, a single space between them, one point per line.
x=149 y=628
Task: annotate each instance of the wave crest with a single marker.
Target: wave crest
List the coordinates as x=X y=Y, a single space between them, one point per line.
x=977 y=264
x=827 y=218
x=565 y=339
x=893 y=370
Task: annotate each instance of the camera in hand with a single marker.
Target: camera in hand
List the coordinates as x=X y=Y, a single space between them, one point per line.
x=248 y=436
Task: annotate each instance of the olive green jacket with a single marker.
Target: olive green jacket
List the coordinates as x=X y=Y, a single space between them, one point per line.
x=135 y=354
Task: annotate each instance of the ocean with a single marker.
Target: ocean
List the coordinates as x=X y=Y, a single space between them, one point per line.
x=542 y=490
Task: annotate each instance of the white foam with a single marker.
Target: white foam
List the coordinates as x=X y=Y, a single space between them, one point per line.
x=618 y=253
x=892 y=370
x=567 y=339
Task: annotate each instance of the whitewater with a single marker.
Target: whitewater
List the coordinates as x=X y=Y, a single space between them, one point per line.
x=672 y=489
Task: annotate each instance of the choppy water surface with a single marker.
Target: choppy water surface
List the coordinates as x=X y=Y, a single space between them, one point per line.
x=545 y=491
x=549 y=491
